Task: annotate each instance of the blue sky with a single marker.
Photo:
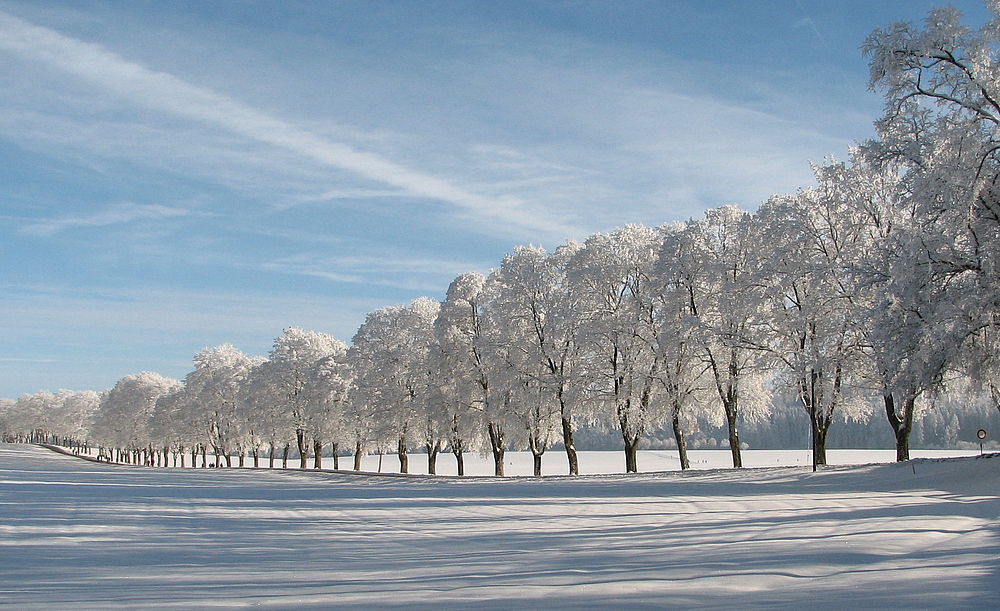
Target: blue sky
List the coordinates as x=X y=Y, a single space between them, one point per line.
x=179 y=174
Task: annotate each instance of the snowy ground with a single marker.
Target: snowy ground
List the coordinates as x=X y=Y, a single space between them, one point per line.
x=79 y=535
x=554 y=462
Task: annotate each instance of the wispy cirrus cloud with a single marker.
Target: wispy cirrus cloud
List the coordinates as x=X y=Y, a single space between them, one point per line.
x=392 y=270
x=167 y=93
x=118 y=214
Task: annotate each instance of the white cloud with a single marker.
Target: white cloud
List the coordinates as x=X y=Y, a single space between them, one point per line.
x=167 y=93
x=119 y=214
x=20 y=360
x=356 y=194
x=407 y=273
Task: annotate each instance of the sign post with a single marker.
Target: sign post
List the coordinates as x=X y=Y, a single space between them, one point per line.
x=982 y=435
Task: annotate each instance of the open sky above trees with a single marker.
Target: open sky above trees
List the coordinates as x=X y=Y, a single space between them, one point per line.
x=174 y=176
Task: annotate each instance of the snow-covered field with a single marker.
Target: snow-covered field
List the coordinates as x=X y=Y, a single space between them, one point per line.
x=606 y=462
x=80 y=535
x=554 y=462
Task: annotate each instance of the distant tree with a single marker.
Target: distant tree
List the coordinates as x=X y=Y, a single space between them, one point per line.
x=75 y=414
x=63 y=418
x=211 y=399
x=33 y=414
x=8 y=428
x=390 y=354
x=169 y=429
x=284 y=381
x=327 y=391
x=122 y=419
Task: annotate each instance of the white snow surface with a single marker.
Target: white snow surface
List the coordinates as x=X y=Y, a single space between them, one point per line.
x=79 y=535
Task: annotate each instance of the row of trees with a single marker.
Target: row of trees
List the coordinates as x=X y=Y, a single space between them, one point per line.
x=878 y=286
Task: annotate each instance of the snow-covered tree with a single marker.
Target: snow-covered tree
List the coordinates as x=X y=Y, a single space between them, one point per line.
x=261 y=406
x=210 y=401
x=170 y=430
x=282 y=383
x=683 y=371
x=457 y=389
x=906 y=317
x=816 y=310
x=75 y=413
x=718 y=272
x=538 y=322
x=7 y=429
x=612 y=278
x=466 y=373
x=122 y=419
x=390 y=355
x=62 y=418
x=33 y=415
x=939 y=131
x=327 y=392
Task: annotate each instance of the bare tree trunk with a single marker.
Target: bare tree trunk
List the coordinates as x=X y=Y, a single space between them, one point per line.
x=734 y=436
x=567 y=432
x=537 y=447
x=820 y=430
x=498 y=446
x=357 y=455
x=820 y=416
x=317 y=453
x=433 y=449
x=459 y=453
x=404 y=460
x=901 y=424
x=336 y=456
x=682 y=450
x=730 y=404
x=270 y=456
x=284 y=456
x=458 y=448
x=729 y=395
x=256 y=457
x=630 y=440
x=902 y=446
x=300 y=438
x=631 y=452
